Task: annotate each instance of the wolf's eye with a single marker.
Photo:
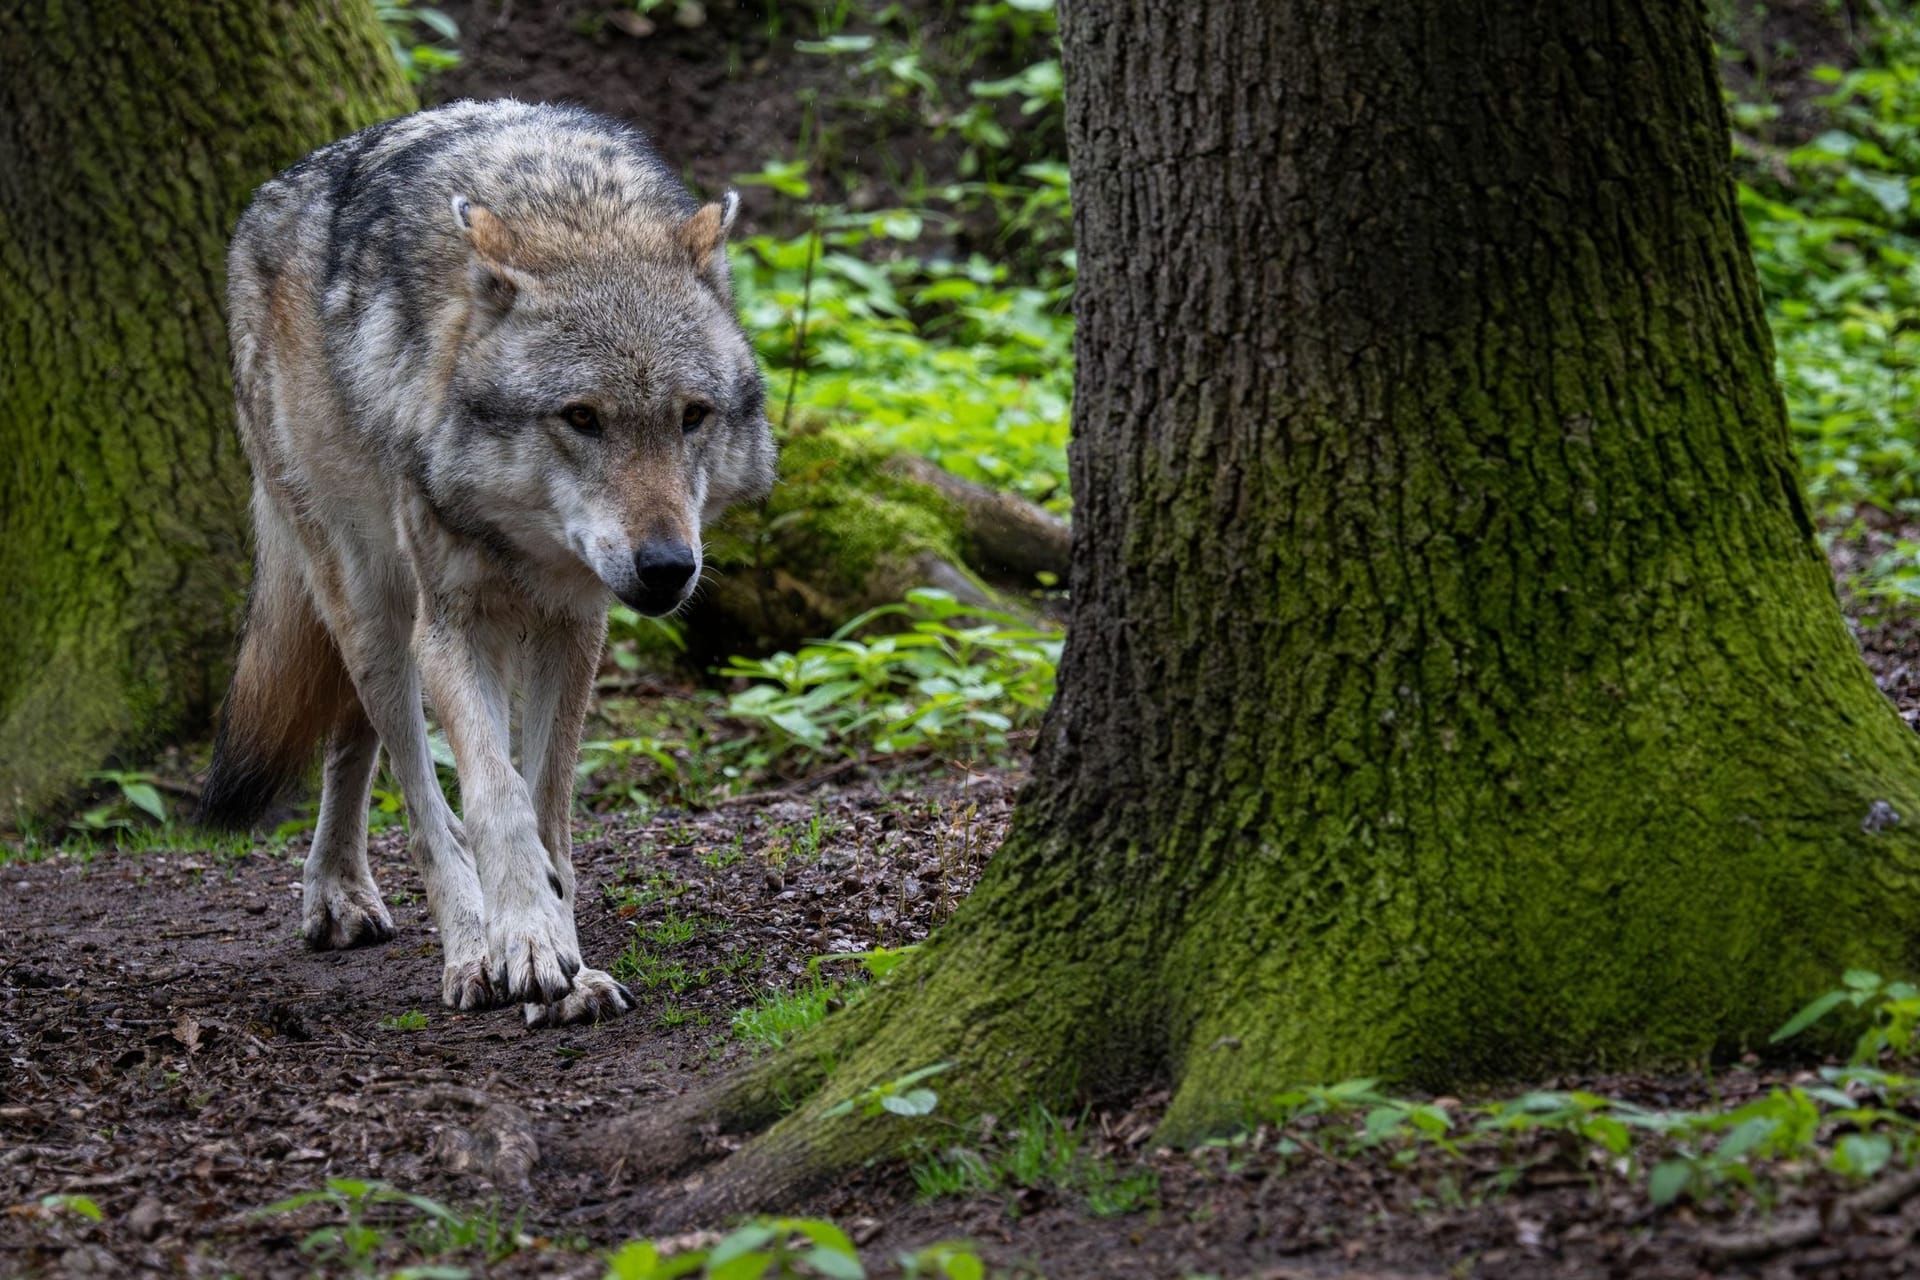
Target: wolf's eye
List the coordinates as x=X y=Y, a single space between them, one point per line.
x=582 y=419
x=693 y=416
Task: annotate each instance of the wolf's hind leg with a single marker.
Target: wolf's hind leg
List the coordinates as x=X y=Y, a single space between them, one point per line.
x=342 y=903
x=560 y=657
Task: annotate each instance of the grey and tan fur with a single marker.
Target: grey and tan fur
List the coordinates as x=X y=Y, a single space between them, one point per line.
x=488 y=373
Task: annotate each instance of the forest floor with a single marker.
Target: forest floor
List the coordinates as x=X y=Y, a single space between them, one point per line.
x=171 y=1053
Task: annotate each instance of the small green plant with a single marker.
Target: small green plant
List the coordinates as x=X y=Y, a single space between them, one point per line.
x=411 y=1020
x=1044 y=1152
x=419 y=58
x=901 y=1096
x=957 y=677
x=134 y=793
x=355 y=1242
x=764 y=1249
x=79 y=1206
x=1893 y=1009
x=787 y=1249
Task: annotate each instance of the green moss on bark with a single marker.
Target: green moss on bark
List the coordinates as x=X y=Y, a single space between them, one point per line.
x=132 y=136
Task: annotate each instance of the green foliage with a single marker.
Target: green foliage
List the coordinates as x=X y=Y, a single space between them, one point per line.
x=420 y=57
x=1043 y=1152
x=1893 y=1010
x=956 y=677
x=781 y=1248
x=411 y=1020
x=948 y=359
x=1836 y=239
x=1855 y=1122
x=364 y=1228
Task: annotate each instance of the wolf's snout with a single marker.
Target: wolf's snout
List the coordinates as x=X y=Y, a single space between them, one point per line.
x=665 y=571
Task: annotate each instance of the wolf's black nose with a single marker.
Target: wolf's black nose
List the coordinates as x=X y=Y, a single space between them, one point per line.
x=664 y=569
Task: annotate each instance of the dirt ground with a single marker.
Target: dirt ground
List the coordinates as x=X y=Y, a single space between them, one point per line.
x=171 y=1052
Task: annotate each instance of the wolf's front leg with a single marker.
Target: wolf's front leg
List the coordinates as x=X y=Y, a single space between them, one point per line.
x=532 y=951
x=560 y=656
x=373 y=635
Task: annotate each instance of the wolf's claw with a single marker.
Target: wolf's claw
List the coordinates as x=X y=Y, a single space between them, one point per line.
x=467 y=986
x=533 y=955
x=337 y=915
x=596 y=997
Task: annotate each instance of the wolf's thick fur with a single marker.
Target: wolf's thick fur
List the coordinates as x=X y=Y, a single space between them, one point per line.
x=488 y=372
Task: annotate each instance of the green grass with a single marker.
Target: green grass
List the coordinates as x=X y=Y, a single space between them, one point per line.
x=1042 y=1152
x=776 y=1017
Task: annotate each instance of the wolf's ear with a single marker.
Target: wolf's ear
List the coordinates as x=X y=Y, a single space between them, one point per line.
x=495 y=282
x=704 y=237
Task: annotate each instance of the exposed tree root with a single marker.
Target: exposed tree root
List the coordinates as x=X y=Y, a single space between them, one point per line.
x=1009 y=1015
x=1792 y=1233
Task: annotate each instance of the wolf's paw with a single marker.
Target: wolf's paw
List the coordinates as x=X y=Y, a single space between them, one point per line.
x=533 y=954
x=466 y=985
x=596 y=997
x=337 y=914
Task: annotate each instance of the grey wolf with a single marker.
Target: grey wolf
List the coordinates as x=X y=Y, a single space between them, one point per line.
x=488 y=374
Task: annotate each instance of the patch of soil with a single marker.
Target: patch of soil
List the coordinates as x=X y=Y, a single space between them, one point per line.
x=725 y=98
x=708 y=96
x=168 y=1049
x=1889 y=638
x=1768 y=50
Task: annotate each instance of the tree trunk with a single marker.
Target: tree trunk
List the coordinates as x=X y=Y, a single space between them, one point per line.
x=131 y=137
x=1453 y=689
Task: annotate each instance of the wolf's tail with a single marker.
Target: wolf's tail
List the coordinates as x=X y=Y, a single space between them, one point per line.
x=290 y=687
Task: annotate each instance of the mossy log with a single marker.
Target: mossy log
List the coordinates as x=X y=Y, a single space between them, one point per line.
x=852 y=525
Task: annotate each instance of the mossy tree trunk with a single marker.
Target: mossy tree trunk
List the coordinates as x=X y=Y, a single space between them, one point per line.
x=1453 y=689
x=131 y=136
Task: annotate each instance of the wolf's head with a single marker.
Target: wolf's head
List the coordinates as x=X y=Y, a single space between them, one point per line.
x=604 y=398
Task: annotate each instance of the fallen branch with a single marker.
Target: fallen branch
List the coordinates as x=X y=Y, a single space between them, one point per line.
x=1012 y=540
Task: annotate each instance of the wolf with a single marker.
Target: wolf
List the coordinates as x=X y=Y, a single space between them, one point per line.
x=488 y=374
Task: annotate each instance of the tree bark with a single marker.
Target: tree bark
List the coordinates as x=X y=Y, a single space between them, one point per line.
x=1453 y=689
x=131 y=136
